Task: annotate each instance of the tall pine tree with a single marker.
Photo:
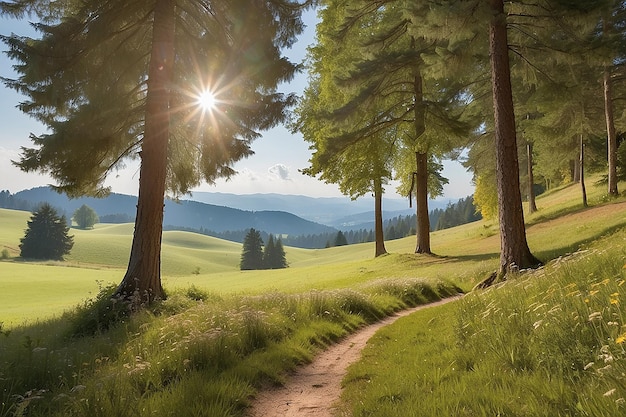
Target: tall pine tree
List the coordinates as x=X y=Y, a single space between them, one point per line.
x=121 y=80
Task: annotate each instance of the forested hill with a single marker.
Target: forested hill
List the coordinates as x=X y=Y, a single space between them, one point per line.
x=183 y=214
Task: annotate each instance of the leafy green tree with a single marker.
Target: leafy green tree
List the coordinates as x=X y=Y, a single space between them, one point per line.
x=121 y=80
x=46 y=236
x=252 y=251
x=85 y=217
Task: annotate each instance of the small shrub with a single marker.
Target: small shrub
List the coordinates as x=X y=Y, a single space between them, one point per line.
x=99 y=314
x=5 y=254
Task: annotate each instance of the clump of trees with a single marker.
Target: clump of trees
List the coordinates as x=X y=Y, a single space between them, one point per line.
x=46 y=236
x=85 y=217
x=255 y=256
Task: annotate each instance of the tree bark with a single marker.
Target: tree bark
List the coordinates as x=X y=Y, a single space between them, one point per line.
x=582 y=170
x=142 y=281
x=514 y=251
x=421 y=196
x=378 y=219
x=421 y=165
x=611 y=135
x=532 y=206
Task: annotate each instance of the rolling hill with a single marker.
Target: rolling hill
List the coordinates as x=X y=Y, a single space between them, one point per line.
x=183 y=213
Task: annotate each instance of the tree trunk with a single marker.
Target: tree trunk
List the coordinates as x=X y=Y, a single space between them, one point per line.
x=582 y=170
x=378 y=218
x=421 y=162
x=515 y=253
x=610 y=132
x=532 y=206
x=421 y=197
x=142 y=282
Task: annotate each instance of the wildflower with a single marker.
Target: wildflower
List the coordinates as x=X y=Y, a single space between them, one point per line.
x=621 y=339
x=614 y=301
x=615 y=294
x=620 y=401
x=589 y=365
x=609 y=392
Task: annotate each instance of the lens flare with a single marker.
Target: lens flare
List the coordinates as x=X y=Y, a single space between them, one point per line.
x=206 y=100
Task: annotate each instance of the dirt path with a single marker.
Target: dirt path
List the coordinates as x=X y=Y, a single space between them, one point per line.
x=315 y=388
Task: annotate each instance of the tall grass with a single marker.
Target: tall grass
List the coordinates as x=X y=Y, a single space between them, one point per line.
x=548 y=343
x=196 y=354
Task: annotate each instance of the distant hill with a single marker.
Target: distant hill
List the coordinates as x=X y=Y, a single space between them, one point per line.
x=184 y=214
x=338 y=212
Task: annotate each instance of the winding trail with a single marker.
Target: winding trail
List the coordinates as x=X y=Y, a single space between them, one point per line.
x=314 y=389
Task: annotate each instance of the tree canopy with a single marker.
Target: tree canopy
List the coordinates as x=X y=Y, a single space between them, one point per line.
x=85 y=217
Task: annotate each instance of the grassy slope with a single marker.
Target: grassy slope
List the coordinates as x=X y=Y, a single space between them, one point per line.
x=544 y=344
x=465 y=254
x=201 y=351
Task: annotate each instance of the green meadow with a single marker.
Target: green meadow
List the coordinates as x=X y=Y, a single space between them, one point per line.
x=547 y=342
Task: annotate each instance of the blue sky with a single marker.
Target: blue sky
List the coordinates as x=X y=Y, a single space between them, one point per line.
x=272 y=169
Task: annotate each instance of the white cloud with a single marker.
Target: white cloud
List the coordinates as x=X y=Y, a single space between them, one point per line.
x=279 y=172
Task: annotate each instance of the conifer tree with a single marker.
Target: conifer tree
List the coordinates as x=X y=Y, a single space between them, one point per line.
x=384 y=91
x=340 y=239
x=46 y=236
x=120 y=80
x=252 y=251
x=268 y=253
x=274 y=254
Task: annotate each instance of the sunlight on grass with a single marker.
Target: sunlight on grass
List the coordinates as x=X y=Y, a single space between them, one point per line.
x=543 y=344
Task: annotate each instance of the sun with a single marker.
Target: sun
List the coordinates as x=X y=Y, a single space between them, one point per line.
x=206 y=100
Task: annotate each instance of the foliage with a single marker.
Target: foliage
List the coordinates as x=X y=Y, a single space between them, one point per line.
x=46 y=236
x=252 y=251
x=486 y=197
x=85 y=217
x=97 y=315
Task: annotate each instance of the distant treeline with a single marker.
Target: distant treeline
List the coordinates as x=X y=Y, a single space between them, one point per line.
x=461 y=212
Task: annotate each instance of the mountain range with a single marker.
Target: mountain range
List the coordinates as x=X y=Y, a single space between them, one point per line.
x=221 y=212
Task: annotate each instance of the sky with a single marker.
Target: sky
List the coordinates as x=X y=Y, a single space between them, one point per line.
x=274 y=167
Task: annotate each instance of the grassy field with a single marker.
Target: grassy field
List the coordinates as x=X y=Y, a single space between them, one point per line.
x=223 y=333
x=464 y=255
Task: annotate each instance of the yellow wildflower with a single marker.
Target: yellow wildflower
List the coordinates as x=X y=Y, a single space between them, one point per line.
x=621 y=339
x=614 y=301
